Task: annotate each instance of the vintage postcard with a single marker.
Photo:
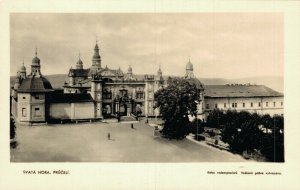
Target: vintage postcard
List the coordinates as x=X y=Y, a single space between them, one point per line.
x=101 y=95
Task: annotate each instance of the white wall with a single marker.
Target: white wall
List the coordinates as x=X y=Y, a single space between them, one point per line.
x=60 y=110
x=79 y=110
x=24 y=102
x=262 y=109
x=83 y=110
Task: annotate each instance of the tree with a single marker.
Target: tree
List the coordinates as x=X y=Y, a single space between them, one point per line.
x=175 y=102
x=273 y=143
x=215 y=119
x=12 y=128
x=241 y=131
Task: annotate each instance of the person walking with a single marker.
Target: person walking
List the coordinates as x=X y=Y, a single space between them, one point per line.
x=108 y=136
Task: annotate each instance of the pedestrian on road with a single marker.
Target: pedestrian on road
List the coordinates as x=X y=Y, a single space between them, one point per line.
x=132 y=126
x=108 y=136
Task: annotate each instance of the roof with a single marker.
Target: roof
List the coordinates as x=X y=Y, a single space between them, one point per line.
x=189 y=66
x=70 y=98
x=35 y=84
x=239 y=90
x=79 y=72
x=195 y=81
x=36 y=61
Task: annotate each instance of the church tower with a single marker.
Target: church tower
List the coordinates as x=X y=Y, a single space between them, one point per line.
x=189 y=70
x=96 y=61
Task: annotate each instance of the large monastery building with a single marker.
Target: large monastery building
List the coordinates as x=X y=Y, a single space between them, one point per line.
x=98 y=92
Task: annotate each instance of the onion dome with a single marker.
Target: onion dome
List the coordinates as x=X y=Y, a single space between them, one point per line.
x=36 y=61
x=22 y=68
x=189 y=65
x=129 y=69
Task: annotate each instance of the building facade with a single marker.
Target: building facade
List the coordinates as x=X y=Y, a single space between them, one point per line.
x=90 y=94
x=244 y=97
x=99 y=92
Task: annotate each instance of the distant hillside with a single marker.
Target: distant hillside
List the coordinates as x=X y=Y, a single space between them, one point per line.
x=276 y=83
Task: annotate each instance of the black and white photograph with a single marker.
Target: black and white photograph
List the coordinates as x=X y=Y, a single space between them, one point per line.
x=133 y=87
x=149 y=94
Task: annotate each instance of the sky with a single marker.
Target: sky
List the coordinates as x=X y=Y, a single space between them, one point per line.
x=220 y=45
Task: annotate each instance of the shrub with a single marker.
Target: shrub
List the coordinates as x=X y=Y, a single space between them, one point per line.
x=12 y=128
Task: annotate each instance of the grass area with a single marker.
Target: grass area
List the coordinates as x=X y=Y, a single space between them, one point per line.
x=88 y=142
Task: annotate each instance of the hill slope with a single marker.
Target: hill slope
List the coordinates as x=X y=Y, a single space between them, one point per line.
x=276 y=83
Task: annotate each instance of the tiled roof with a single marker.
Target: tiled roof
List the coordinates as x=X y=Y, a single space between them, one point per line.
x=35 y=84
x=238 y=90
x=70 y=98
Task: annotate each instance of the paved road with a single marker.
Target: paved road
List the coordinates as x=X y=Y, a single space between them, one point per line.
x=89 y=143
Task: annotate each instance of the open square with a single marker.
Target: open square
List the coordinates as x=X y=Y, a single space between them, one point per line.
x=88 y=142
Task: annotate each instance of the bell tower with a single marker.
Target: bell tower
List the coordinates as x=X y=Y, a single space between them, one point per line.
x=96 y=57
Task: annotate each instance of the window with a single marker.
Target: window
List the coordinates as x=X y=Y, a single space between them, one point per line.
x=37 y=97
x=267 y=104
x=24 y=113
x=243 y=105
x=234 y=105
x=139 y=95
x=24 y=97
x=274 y=104
x=37 y=112
x=259 y=104
x=251 y=104
x=107 y=94
x=224 y=105
x=216 y=106
x=281 y=103
x=207 y=106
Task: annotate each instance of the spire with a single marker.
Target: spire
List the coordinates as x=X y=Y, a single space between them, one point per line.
x=35 y=51
x=79 y=64
x=96 y=61
x=96 y=46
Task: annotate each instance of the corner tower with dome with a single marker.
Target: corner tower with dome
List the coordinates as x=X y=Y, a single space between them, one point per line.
x=29 y=94
x=190 y=77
